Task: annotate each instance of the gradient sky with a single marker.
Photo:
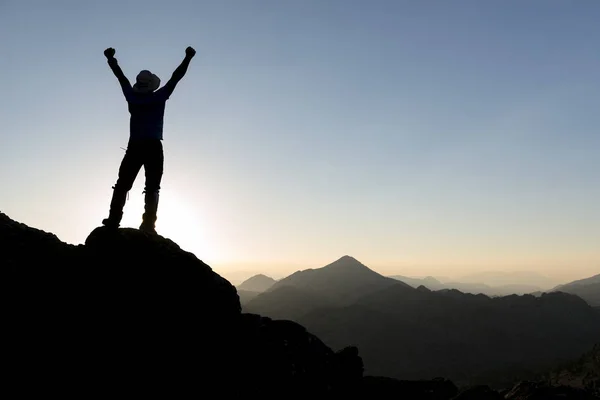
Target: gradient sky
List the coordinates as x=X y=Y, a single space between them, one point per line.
x=421 y=137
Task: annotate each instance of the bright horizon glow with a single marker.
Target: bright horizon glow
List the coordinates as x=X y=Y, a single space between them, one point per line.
x=421 y=138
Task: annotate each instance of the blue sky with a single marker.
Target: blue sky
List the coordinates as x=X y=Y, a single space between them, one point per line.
x=421 y=137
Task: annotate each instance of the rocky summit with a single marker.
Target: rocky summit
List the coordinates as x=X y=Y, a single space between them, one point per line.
x=127 y=313
x=134 y=313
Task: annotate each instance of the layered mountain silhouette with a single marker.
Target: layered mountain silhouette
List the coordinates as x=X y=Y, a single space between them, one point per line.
x=504 y=289
x=509 y=278
x=254 y=286
x=343 y=281
x=258 y=283
x=417 y=333
x=337 y=284
x=132 y=314
x=588 y=289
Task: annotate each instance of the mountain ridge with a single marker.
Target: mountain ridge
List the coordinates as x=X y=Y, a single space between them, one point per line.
x=338 y=283
x=343 y=276
x=437 y=326
x=468 y=287
x=586 y=288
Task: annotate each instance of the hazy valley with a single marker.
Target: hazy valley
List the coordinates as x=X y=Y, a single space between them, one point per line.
x=422 y=328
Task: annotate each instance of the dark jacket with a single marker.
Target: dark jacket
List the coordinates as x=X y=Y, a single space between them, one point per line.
x=147 y=109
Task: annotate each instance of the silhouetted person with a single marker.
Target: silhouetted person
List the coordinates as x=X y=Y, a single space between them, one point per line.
x=147 y=108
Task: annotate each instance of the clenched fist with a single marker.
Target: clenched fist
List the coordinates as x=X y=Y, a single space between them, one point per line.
x=109 y=53
x=190 y=52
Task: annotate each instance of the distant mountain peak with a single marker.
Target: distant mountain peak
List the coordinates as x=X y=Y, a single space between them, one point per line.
x=341 y=282
x=257 y=283
x=260 y=276
x=346 y=262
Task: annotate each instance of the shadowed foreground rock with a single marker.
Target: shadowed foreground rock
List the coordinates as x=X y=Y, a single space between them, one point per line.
x=135 y=313
x=541 y=391
x=479 y=392
x=436 y=389
x=583 y=373
x=131 y=314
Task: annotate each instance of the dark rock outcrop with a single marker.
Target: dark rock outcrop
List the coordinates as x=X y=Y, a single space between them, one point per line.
x=582 y=373
x=290 y=358
x=134 y=313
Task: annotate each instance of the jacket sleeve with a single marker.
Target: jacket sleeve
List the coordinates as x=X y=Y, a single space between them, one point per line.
x=116 y=69
x=178 y=74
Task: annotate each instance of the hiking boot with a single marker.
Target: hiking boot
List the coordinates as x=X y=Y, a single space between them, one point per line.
x=116 y=208
x=147 y=228
x=110 y=223
x=150 y=208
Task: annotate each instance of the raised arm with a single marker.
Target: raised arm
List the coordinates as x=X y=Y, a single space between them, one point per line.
x=116 y=69
x=179 y=72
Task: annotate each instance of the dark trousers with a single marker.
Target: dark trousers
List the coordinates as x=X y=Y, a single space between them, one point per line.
x=140 y=153
x=143 y=152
